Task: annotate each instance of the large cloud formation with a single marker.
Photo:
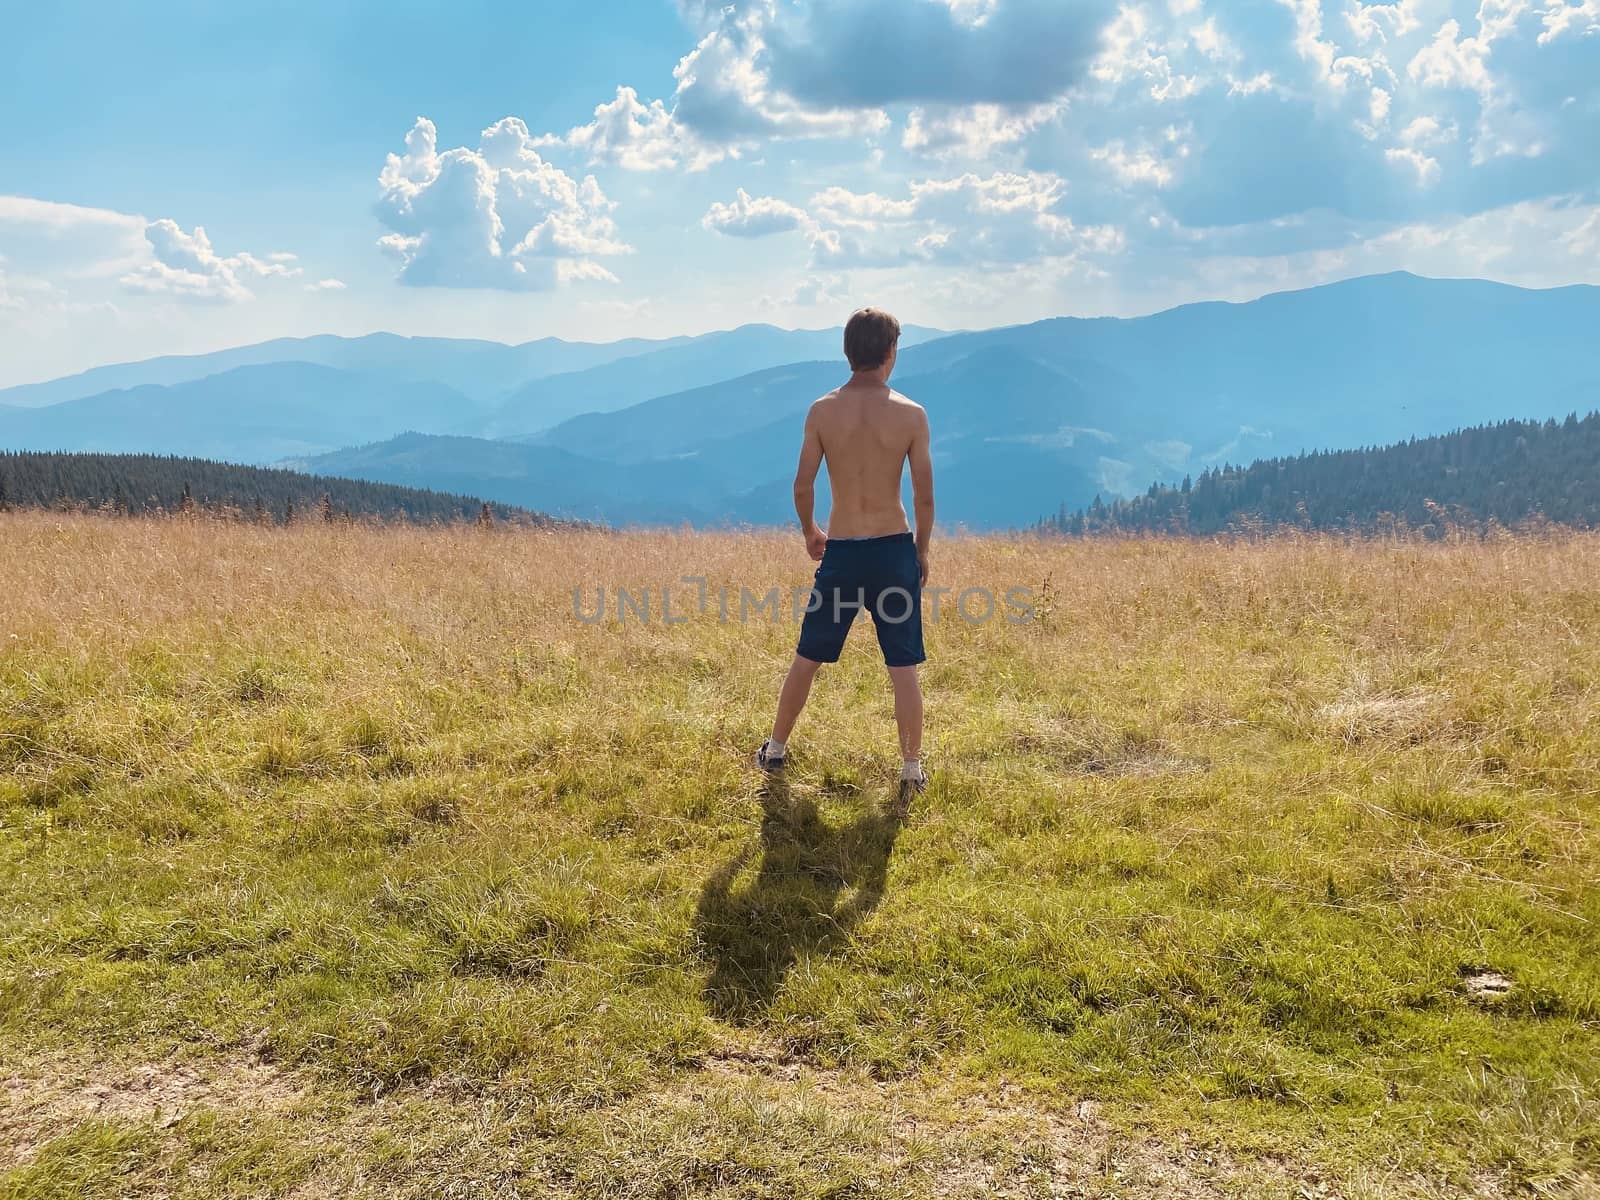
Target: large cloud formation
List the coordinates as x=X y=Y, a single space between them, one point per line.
x=1387 y=112
x=767 y=69
x=1171 y=135
x=495 y=217
x=1179 y=110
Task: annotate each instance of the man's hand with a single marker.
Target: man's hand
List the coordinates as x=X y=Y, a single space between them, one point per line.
x=922 y=561
x=816 y=542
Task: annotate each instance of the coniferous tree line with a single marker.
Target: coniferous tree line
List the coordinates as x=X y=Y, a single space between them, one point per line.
x=148 y=483
x=1505 y=474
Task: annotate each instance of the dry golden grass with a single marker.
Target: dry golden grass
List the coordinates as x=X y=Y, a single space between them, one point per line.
x=1219 y=843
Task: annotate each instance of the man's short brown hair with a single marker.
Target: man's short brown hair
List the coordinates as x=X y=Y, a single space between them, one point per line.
x=869 y=335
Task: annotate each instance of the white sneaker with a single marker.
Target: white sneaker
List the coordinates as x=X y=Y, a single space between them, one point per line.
x=910 y=789
x=768 y=761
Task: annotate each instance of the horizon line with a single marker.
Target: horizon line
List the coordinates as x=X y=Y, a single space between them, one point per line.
x=662 y=342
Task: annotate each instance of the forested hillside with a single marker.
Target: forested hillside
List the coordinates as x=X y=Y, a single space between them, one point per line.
x=141 y=483
x=1506 y=474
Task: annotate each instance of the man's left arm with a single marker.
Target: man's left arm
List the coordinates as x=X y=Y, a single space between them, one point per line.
x=921 y=459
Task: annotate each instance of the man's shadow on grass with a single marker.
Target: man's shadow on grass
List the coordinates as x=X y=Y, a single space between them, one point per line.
x=814 y=885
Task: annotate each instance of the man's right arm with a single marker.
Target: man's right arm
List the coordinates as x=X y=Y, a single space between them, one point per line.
x=805 y=487
x=921 y=461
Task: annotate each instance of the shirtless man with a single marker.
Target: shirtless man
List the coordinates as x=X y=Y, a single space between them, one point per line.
x=866 y=433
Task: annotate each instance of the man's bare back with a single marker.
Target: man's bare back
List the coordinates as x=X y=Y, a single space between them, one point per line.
x=866 y=432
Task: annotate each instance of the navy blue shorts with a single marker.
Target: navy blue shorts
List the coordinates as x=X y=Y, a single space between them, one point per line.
x=879 y=574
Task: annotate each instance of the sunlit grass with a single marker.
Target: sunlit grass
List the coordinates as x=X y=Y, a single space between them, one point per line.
x=436 y=886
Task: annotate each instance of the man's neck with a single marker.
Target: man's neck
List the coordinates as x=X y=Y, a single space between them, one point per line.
x=872 y=378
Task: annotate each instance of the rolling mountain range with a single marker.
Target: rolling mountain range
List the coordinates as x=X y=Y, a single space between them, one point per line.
x=260 y=403
x=1025 y=418
x=708 y=359
x=248 y=414
x=480 y=369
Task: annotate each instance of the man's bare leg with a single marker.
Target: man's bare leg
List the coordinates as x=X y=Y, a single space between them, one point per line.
x=908 y=717
x=792 y=699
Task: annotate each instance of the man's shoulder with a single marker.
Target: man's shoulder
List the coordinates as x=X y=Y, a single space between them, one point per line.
x=907 y=401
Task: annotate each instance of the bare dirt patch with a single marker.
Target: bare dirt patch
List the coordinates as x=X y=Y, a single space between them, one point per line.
x=1085 y=748
x=1487 y=987
x=922 y=1137
x=41 y=1100
x=966 y=1143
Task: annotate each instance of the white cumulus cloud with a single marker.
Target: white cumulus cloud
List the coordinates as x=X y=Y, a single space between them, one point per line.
x=1144 y=164
x=726 y=96
x=860 y=210
x=636 y=136
x=1005 y=217
x=1261 y=81
x=1132 y=49
x=498 y=217
x=1453 y=59
x=1577 y=16
x=1382 y=21
x=1427 y=131
x=72 y=245
x=974 y=132
x=755 y=216
x=1425 y=165
x=187 y=267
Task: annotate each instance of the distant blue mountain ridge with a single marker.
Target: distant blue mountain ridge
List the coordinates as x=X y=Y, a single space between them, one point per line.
x=483 y=370
x=1025 y=418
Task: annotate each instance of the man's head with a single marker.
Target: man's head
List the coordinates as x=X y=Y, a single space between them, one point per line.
x=870 y=340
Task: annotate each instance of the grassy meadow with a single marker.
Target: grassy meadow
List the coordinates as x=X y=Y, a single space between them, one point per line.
x=346 y=861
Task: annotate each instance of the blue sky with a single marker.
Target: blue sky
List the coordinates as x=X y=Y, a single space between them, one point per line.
x=179 y=177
